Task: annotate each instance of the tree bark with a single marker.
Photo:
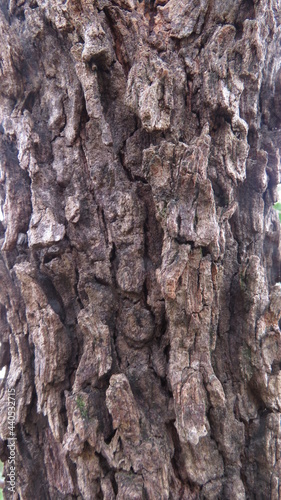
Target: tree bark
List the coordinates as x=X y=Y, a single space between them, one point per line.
x=140 y=259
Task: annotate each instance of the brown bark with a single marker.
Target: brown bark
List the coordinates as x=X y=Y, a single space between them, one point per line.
x=140 y=260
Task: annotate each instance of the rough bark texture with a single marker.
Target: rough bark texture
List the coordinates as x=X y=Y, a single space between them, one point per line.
x=140 y=252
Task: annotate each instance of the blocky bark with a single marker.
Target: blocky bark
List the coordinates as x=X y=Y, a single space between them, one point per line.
x=140 y=251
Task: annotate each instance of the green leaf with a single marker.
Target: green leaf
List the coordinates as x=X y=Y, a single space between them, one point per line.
x=280 y=216
x=277 y=206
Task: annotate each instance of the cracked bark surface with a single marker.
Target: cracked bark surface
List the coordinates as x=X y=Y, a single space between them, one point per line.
x=140 y=253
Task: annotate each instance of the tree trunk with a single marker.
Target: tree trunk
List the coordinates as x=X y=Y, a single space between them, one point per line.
x=140 y=251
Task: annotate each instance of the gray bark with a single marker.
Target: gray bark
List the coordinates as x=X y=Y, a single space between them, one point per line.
x=140 y=255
